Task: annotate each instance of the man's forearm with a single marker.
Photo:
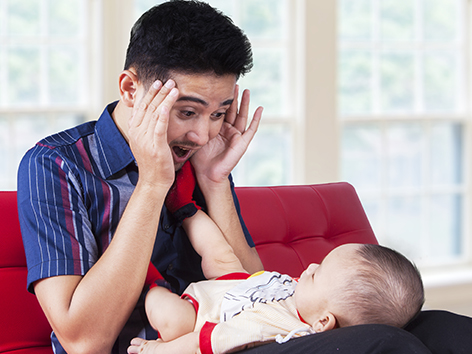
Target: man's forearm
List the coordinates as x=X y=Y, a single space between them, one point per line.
x=88 y=314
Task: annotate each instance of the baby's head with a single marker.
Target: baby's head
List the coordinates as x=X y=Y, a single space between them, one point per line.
x=359 y=284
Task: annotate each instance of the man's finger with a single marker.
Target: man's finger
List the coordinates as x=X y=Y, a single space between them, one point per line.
x=232 y=111
x=153 y=109
x=161 y=116
x=139 y=113
x=242 y=117
x=248 y=135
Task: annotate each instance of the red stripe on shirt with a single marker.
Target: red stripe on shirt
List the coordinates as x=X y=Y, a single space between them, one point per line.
x=75 y=248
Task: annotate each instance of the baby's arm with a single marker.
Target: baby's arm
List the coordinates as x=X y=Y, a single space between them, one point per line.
x=172 y=316
x=218 y=258
x=168 y=314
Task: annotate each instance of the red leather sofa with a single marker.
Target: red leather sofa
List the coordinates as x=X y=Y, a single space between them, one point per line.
x=292 y=226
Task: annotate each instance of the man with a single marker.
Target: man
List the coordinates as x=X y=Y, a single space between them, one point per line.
x=91 y=199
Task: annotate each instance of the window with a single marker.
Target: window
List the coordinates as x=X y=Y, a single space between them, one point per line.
x=43 y=58
x=269 y=26
x=55 y=76
x=402 y=76
x=402 y=93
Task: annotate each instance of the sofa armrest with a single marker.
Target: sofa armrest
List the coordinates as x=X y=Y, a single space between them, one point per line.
x=25 y=329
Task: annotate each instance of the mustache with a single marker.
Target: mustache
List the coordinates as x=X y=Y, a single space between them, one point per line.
x=185 y=144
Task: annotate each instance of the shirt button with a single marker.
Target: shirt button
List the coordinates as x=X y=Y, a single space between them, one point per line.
x=166 y=227
x=170 y=266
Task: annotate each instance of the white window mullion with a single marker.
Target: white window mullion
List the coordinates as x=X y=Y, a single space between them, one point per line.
x=426 y=190
x=321 y=129
x=375 y=50
x=44 y=55
x=418 y=58
x=383 y=193
x=3 y=74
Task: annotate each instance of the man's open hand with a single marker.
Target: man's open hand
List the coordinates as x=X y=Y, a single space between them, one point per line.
x=148 y=135
x=214 y=162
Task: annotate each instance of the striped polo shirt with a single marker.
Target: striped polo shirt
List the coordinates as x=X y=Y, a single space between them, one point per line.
x=72 y=190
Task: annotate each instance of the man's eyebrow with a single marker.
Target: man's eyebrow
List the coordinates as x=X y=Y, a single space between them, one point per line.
x=203 y=102
x=228 y=102
x=193 y=99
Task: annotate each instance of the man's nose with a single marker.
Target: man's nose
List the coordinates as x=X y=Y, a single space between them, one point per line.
x=199 y=132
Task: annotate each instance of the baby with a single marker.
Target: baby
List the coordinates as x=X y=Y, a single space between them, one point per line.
x=354 y=284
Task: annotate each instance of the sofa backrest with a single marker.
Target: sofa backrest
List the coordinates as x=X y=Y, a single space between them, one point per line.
x=292 y=227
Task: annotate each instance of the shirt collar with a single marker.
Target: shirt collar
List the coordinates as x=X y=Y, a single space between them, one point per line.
x=115 y=153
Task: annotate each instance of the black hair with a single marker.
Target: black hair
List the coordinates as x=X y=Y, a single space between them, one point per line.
x=189 y=37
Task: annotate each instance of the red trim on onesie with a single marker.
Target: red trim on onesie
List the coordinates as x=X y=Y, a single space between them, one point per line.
x=234 y=276
x=298 y=313
x=205 y=337
x=301 y=319
x=190 y=299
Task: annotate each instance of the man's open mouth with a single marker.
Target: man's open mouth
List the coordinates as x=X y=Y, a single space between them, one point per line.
x=180 y=151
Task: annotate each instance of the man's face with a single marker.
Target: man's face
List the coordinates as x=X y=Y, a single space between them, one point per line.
x=199 y=112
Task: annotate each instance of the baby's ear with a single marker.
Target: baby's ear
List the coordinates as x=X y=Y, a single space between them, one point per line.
x=325 y=323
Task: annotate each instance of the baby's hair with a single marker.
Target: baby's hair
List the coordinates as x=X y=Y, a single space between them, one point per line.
x=385 y=288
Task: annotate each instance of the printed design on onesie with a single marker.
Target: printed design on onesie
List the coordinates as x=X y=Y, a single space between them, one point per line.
x=261 y=287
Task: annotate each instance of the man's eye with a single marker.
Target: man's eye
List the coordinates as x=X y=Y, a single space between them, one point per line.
x=219 y=115
x=187 y=113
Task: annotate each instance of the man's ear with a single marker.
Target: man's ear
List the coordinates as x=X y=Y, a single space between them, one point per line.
x=128 y=81
x=325 y=323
